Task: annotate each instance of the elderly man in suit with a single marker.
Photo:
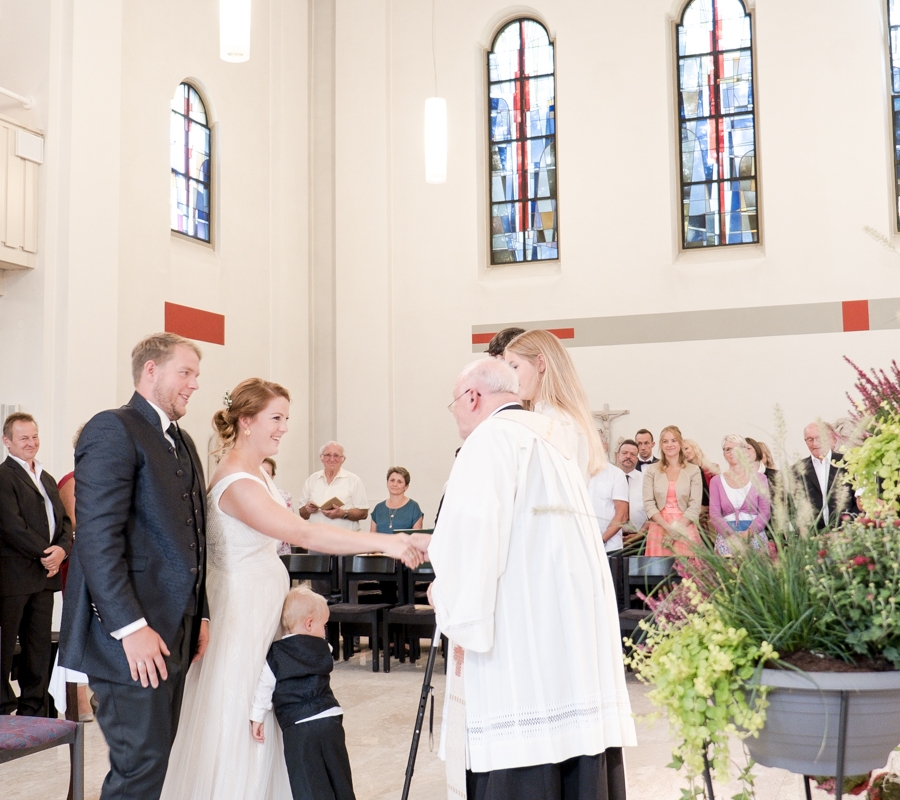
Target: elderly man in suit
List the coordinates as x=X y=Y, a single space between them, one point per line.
x=823 y=477
x=135 y=597
x=35 y=538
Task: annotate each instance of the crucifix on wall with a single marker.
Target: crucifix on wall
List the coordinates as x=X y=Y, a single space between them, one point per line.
x=604 y=421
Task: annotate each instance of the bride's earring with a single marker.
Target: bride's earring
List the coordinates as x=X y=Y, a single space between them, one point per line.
x=247 y=431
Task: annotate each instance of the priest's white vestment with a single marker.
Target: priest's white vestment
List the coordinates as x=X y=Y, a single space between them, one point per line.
x=523 y=587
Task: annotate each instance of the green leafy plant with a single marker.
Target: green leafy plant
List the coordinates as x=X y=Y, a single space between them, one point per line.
x=700 y=668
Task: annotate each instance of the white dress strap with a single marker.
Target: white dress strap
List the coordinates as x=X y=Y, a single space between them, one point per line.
x=223 y=484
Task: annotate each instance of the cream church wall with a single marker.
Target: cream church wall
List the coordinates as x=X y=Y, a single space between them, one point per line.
x=411 y=265
x=104 y=72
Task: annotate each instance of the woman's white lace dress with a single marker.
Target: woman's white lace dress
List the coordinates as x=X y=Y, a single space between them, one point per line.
x=214 y=756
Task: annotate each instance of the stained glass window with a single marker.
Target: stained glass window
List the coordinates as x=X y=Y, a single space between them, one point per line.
x=894 y=25
x=522 y=110
x=718 y=129
x=189 y=154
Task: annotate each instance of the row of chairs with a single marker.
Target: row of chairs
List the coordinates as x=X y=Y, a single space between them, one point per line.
x=403 y=622
x=633 y=574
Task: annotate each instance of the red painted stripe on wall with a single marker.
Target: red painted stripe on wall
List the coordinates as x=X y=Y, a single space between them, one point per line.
x=559 y=333
x=194 y=323
x=856 y=315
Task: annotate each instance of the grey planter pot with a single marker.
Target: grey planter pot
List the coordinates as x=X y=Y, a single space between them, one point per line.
x=801 y=730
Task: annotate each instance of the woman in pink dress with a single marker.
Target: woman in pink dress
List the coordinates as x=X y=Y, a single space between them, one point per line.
x=673 y=493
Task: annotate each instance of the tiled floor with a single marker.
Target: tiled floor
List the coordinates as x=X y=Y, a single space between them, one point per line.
x=379 y=714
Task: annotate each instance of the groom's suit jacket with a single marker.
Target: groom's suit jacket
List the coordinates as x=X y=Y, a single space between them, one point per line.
x=25 y=531
x=140 y=548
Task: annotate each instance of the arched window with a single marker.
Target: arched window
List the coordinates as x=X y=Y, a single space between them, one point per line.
x=718 y=128
x=189 y=150
x=524 y=220
x=894 y=25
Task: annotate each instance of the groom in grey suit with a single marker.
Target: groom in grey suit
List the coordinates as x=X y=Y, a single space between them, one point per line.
x=134 y=614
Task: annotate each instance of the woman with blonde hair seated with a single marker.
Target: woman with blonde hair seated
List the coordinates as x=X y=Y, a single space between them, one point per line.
x=673 y=493
x=739 y=505
x=708 y=469
x=549 y=385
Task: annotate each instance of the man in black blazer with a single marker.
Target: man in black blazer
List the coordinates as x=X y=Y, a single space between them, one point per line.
x=135 y=597
x=823 y=477
x=35 y=538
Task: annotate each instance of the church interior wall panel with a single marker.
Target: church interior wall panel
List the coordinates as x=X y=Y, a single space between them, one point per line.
x=822 y=181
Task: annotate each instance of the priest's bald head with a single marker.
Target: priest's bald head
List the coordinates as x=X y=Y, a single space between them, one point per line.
x=481 y=388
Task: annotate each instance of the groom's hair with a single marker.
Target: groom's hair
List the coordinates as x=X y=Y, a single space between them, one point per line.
x=159 y=348
x=300 y=604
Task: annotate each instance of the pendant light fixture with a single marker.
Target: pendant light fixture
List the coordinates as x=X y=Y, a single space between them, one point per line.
x=234 y=30
x=435 y=126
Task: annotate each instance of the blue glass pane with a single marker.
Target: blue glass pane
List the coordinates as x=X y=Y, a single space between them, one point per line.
x=696 y=78
x=734 y=25
x=701 y=214
x=199 y=152
x=735 y=82
x=541 y=168
x=737 y=147
x=504 y=113
x=196 y=110
x=503 y=60
x=739 y=211
x=198 y=225
x=699 y=161
x=695 y=34
x=506 y=237
x=538 y=50
x=179 y=99
x=539 y=106
x=504 y=172
x=895 y=60
x=176 y=142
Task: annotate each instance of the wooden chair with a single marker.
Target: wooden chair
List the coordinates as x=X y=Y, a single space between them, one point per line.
x=309 y=567
x=22 y=736
x=361 y=619
x=644 y=573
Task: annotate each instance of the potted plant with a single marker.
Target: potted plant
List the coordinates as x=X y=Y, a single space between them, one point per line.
x=762 y=644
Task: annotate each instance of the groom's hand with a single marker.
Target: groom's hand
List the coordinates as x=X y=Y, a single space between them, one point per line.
x=144 y=650
x=202 y=640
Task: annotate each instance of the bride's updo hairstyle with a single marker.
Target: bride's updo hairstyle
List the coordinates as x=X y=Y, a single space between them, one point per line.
x=247 y=400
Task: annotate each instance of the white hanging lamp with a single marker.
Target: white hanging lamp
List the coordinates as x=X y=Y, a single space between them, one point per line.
x=435 y=127
x=234 y=30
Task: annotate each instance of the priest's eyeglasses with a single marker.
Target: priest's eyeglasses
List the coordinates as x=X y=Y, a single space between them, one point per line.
x=455 y=399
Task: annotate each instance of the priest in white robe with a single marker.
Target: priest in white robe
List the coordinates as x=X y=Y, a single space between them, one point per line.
x=536 y=705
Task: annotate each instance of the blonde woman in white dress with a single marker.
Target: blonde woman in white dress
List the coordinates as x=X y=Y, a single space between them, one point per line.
x=214 y=756
x=549 y=385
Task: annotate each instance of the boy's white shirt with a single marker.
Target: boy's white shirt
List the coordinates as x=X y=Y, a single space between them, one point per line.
x=262 y=697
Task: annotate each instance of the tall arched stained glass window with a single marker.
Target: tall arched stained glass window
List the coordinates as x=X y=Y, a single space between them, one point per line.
x=189 y=154
x=718 y=128
x=894 y=25
x=521 y=105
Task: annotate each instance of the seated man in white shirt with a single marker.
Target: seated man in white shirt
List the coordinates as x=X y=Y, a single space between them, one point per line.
x=609 y=495
x=627 y=459
x=333 y=482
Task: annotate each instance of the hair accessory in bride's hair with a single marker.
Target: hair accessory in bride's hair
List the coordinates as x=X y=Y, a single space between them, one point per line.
x=226 y=399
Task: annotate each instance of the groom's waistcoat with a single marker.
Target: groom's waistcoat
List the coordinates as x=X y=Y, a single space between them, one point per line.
x=140 y=546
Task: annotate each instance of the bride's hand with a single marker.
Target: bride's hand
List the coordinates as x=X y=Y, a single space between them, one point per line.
x=400 y=546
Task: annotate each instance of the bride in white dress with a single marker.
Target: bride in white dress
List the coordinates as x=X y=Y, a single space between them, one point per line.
x=214 y=756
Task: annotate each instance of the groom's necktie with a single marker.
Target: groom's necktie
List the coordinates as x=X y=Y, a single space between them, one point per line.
x=180 y=449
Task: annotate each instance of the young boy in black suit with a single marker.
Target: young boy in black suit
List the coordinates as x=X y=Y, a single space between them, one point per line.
x=295 y=681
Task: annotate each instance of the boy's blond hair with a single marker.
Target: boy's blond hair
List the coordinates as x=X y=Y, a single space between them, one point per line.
x=300 y=604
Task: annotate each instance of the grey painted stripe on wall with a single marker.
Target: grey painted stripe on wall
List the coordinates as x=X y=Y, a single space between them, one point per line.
x=724 y=323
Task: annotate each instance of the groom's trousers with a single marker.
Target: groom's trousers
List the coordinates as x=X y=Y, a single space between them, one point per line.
x=140 y=725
